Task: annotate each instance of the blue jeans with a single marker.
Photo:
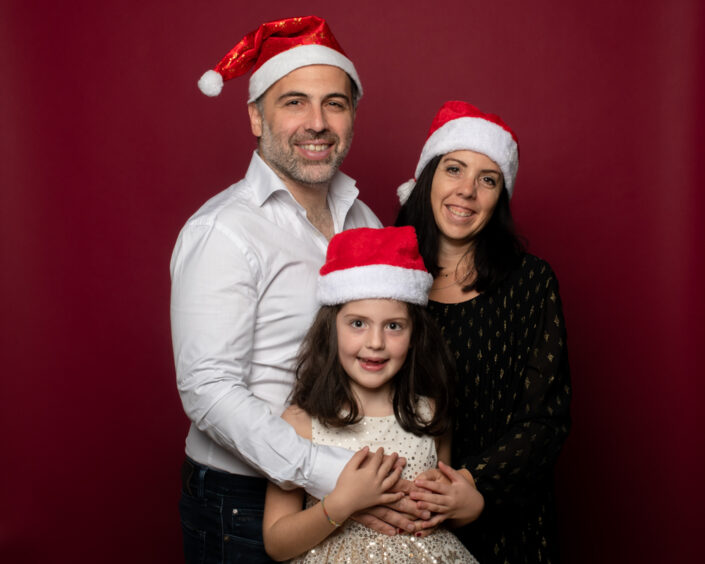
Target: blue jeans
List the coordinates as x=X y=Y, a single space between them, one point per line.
x=221 y=516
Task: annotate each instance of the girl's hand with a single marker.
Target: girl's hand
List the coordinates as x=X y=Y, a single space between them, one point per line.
x=363 y=483
x=449 y=494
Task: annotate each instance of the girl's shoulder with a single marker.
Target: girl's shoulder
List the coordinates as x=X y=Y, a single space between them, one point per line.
x=299 y=420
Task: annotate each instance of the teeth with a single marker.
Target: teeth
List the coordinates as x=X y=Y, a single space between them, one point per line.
x=315 y=148
x=459 y=212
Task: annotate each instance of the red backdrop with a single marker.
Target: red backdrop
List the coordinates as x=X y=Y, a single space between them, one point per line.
x=107 y=147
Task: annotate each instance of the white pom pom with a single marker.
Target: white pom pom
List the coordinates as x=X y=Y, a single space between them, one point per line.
x=404 y=191
x=211 y=83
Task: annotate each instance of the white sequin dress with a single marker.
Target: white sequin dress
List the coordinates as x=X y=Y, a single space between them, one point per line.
x=354 y=543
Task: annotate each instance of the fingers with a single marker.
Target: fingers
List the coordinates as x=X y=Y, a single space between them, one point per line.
x=448 y=472
x=424 y=532
x=402 y=485
x=401 y=462
x=432 y=522
x=388 y=498
x=387 y=463
x=409 y=507
x=393 y=518
x=430 y=474
x=374 y=523
x=430 y=486
x=391 y=479
x=358 y=458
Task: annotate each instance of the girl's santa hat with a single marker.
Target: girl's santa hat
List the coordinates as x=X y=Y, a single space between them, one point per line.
x=275 y=49
x=370 y=263
x=461 y=126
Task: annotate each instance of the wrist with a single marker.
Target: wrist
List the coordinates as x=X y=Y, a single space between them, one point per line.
x=334 y=509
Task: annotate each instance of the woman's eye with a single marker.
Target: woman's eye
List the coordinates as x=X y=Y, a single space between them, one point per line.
x=453 y=170
x=489 y=180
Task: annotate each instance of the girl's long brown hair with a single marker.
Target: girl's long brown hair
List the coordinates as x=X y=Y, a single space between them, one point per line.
x=322 y=387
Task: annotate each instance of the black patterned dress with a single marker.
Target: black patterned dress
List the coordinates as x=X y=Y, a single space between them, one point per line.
x=512 y=410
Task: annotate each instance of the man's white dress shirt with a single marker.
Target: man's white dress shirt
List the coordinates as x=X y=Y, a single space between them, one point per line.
x=244 y=275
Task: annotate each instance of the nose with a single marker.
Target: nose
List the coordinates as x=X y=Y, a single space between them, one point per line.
x=468 y=188
x=316 y=119
x=375 y=338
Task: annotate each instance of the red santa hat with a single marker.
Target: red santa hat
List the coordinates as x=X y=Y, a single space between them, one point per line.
x=275 y=49
x=370 y=263
x=458 y=126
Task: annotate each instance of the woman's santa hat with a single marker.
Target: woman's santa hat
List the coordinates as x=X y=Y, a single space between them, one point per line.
x=461 y=126
x=275 y=49
x=370 y=263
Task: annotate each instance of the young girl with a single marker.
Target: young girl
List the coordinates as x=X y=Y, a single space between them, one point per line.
x=372 y=375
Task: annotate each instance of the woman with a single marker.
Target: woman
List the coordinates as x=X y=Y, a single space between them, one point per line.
x=500 y=313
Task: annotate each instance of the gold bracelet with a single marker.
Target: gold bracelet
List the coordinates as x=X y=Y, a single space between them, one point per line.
x=334 y=523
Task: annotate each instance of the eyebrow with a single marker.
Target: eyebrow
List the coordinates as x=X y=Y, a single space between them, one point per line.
x=365 y=318
x=462 y=163
x=295 y=94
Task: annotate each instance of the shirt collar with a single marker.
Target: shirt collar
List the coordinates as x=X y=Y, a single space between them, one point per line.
x=265 y=182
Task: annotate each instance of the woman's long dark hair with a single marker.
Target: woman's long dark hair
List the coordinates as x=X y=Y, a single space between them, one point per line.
x=322 y=388
x=497 y=249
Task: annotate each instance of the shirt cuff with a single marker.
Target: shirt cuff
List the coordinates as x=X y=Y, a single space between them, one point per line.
x=327 y=466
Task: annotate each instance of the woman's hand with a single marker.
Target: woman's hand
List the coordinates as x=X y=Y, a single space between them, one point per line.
x=449 y=494
x=364 y=482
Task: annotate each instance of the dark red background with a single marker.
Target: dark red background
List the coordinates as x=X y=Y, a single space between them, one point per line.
x=107 y=147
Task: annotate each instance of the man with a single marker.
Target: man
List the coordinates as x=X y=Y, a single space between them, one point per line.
x=243 y=286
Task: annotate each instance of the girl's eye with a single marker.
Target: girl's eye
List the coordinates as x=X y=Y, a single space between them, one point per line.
x=357 y=324
x=394 y=326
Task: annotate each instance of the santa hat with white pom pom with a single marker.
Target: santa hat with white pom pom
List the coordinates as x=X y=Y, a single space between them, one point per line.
x=274 y=50
x=461 y=126
x=366 y=263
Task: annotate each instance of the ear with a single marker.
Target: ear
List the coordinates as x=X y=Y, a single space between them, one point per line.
x=255 y=119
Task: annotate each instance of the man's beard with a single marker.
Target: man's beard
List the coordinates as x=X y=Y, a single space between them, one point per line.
x=281 y=154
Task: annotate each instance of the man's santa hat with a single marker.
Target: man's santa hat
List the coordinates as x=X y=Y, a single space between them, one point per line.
x=370 y=263
x=461 y=126
x=275 y=49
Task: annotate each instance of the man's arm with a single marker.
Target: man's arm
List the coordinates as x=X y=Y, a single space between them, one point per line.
x=213 y=309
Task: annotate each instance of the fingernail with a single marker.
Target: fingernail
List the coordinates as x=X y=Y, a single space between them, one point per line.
x=400 y=531
x=417 y=534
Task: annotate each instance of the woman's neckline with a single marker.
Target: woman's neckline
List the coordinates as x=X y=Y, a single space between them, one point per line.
x=456 y=303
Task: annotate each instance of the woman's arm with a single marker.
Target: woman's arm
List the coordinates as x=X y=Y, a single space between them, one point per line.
x=508 y=471
x=289 y=530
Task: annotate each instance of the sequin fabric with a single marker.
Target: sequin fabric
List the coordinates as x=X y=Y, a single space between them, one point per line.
x=356 y=544
x=512 y=410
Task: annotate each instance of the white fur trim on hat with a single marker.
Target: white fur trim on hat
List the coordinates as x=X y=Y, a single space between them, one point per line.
x=304 y=55
x=376 y=281
x=211 y=83
x=474 y=134
x=404 y=190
